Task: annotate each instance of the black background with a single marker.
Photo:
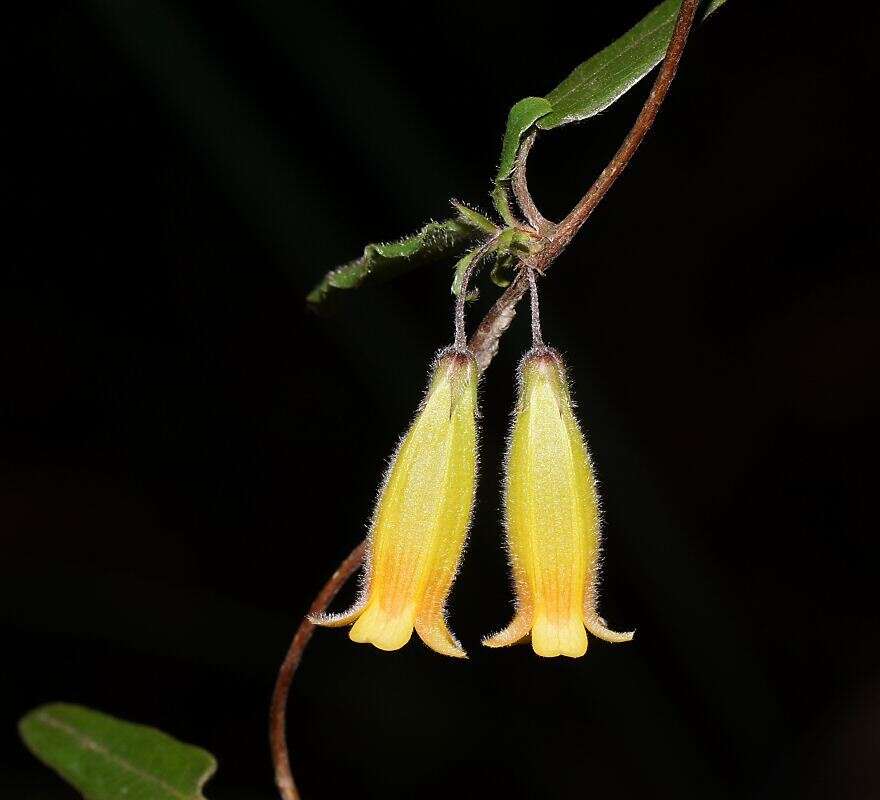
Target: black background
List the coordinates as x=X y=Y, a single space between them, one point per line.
x=187 y=452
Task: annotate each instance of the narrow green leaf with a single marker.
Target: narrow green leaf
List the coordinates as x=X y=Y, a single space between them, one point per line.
x=435 y=241
x=598 y=82
x=501 y=201
x=522 y=116
x=474 y=218
x=107 y=759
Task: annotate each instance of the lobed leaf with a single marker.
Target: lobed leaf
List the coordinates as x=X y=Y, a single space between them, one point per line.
x=105 y=758
x=437 y=240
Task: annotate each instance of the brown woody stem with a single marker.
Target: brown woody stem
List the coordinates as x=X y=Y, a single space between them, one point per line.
x=484 y=345
x=521 y=190
x=278 y=709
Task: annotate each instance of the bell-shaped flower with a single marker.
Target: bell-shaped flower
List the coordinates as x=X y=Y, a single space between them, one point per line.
x=552 y=518
x=420 y=524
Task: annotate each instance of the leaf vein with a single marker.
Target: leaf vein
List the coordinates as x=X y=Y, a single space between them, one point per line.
x=593 y=77
x=87 y=743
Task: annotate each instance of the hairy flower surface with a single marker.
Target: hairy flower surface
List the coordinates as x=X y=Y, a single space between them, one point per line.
x=422 y=517
x=552 y=518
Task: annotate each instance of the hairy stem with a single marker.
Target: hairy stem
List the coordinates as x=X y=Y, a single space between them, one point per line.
x=484 y=344
x=461 y=299
x=537 y=338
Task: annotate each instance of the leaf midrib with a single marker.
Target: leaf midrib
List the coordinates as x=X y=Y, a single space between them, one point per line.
x=88 y=743
x=594 y=76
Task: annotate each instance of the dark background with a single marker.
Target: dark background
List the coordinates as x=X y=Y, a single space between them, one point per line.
x=187 y=452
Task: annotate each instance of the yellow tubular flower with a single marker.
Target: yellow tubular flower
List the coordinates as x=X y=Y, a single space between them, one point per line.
x=552 y=518
x=422 y=517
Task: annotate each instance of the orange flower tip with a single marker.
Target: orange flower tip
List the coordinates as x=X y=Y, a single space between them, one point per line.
x=598 y=627
x=435 y=634
x=447 y=649
x=501 y=639
x=337 y=620
x=518 y=630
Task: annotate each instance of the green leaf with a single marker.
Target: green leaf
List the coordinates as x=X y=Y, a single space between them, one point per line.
x=521 y=117
x=474 y=218
x=107 y=759
x=598 y=82
x=501 y=201
x=435 y=241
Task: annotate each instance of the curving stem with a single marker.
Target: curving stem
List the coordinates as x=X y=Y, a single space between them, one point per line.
x=278 y=709
x=535 y=218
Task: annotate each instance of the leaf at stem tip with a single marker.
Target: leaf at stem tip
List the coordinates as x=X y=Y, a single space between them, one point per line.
x=105 y=758
x=522 y=116
x=601 y=80
x=501 y=201
x=435 y=241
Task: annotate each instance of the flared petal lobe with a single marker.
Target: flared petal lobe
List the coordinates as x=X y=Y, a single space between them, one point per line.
x=422 y=518
x=552 y=518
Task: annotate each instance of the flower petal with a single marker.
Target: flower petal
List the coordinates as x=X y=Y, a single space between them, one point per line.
x=599 y=628
x=552 y=516
x=422 y=517
x=559 y=636
x=434 y=632
x=383 y=627
x=518 y=629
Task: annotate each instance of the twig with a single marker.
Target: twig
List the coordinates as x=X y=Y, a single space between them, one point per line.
x=484 y=342
x=484 y=345
x=278 y=709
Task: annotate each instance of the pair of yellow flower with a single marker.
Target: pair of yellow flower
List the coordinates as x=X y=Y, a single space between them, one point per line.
x=424 y=509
